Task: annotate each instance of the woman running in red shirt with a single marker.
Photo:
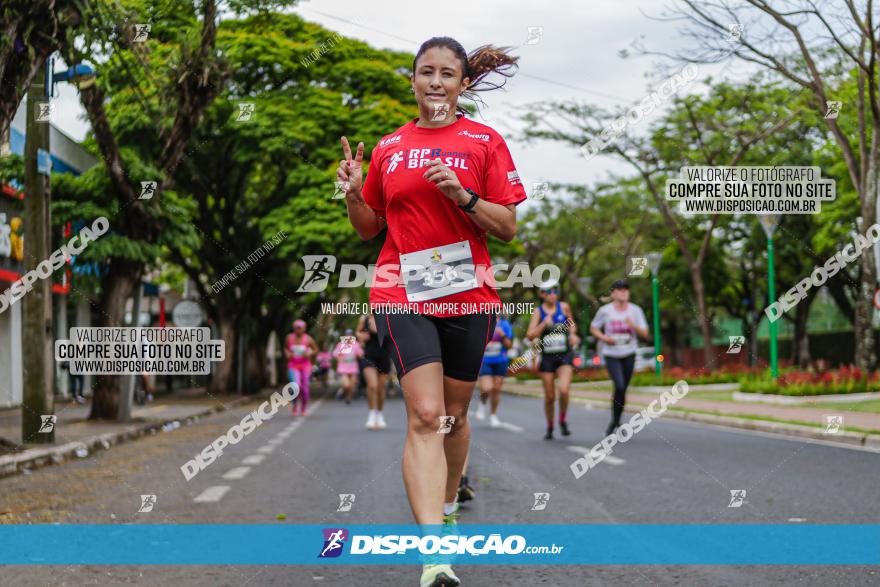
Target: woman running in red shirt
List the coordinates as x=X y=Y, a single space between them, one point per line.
x=438 y=184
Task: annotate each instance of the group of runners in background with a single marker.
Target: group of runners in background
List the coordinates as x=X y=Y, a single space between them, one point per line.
x=552 y=331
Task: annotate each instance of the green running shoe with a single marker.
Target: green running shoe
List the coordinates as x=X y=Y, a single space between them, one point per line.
x=438 y=576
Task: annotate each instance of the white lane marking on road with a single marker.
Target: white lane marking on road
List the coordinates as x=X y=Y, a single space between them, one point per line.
x=611 y=460
x=253 y=459
x=236 y=473
x=511 y=427
x=266 y=449
x=797 y=519
x=212 y=494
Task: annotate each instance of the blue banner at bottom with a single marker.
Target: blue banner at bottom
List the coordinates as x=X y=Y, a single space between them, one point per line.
x=521 y=544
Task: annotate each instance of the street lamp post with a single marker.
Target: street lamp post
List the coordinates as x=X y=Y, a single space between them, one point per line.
x=769 y=222
x=654 y=262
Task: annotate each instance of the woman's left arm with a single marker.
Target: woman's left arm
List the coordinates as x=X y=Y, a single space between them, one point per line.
x=496 y=219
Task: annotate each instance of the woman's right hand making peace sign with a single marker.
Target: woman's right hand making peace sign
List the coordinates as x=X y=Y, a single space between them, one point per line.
x=350 y=171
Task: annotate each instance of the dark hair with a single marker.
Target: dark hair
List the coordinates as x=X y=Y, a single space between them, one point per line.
x=481 y=62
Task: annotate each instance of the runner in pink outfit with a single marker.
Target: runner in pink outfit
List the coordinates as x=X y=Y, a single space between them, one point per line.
x=299 y=348
x=347 y=354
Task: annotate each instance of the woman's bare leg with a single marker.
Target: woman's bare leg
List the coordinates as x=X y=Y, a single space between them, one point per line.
x=549 y=397
x=457 y=395
x=424 y=461
x=495 y=394
x=371 y=376
x=381 y=382
x=565 y=373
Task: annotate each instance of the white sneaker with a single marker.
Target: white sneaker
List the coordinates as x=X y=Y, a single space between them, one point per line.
x=494 y=422
x=481 y=411
x=371 y=420
x=380 y=421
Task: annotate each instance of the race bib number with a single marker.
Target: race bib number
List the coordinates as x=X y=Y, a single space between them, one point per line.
x=298 y=350
x=554 y=343
x=436 y=272
x=493 y=349
x=621 y=339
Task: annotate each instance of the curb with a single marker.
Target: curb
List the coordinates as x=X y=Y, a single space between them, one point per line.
x=867 y=441
x=34 y=458
x=838 y=398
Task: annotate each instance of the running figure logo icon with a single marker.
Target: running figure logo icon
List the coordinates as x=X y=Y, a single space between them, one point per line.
x=539 y=191
x=47 y=424
x=637 y=266
x=446 y=423
x=148 y=189
x=347 y=343
x=346 y=501
x=737 y=498
x=339 y=191
x=334 y=540
x=395 y=159
x=140 y=32
x=833 y=109
x=541 y=500
x=734 y=32
x=736 y=345
x=44 y=111
x=147 y=503
x=318 y=271
x=441 y=111
x=833 y=422
x=534 y=35
x=245 y=111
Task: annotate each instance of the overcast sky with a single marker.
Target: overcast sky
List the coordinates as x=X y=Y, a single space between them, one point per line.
x=578 y=51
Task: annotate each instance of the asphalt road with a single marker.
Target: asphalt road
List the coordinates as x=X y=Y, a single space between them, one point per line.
x=672 y=472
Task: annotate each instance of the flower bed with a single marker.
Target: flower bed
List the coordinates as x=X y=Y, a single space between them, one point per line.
x=805 y=383
x=699 y=376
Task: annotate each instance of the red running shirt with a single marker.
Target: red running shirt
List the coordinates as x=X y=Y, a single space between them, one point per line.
x=420 y=217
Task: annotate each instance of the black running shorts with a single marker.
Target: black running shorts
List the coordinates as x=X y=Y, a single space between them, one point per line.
x=380 y=360
x=458 y=342
x=550 y=363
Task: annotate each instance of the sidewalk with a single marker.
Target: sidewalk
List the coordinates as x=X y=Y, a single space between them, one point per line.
x=739 y=414
x=77 y=437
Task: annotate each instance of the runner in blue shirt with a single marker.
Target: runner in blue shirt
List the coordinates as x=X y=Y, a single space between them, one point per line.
x=494 y=369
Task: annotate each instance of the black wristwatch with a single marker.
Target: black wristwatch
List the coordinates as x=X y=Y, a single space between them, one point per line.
x=469 y=207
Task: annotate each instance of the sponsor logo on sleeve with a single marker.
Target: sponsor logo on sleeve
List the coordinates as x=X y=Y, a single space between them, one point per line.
x=513 y=177
x=481 y=137
x=390 y=140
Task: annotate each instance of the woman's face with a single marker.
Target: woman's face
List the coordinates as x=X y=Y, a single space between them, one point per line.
x=438 y=79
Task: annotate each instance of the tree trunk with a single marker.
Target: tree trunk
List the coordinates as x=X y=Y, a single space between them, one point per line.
x=864 y=309
x=705 y=327
x=118 y=285
x=221 y=379
x=255 y=362
x=801 y=340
